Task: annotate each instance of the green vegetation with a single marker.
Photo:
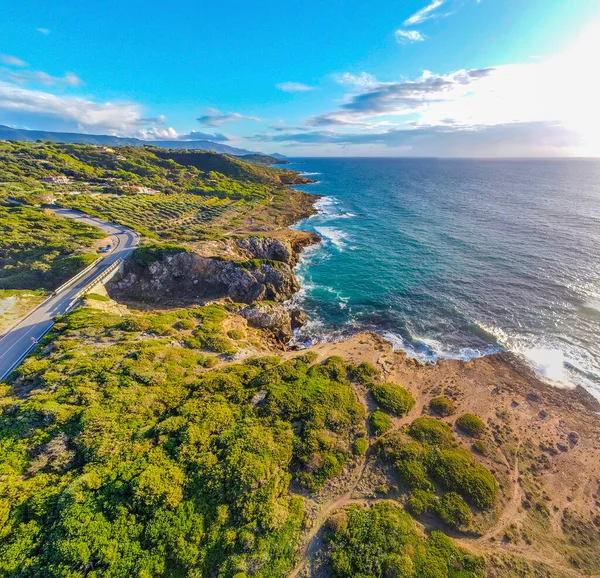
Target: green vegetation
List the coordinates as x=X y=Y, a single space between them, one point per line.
x=431 y=431
x=384 y=542
x=442 y=406
x=131 y=456
x=426 y=458
x=148 y=254
x=470 y=424
x=392 y=397
x=181 y=217
x=163 y=194
x=363 y=372
x=40 y=250
x=380 y=422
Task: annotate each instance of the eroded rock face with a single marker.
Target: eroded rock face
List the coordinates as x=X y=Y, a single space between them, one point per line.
x=271 y=316
x=191 y=278
x=188 y=277
x=266 y=248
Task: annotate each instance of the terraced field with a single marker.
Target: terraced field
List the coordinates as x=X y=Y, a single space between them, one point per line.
x=182 y=217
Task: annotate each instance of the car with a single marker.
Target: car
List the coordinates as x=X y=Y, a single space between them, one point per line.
x=105 y=249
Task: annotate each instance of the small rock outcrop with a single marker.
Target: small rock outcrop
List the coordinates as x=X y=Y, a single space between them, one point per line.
x=271 y=316
x=267 y=248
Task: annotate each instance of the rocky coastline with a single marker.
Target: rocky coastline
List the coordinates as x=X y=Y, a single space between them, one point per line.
x=254 y=275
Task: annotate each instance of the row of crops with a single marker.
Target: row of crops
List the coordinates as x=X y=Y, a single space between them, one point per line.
x=183 y=217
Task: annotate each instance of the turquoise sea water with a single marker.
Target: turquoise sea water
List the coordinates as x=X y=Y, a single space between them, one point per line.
x=459 y=258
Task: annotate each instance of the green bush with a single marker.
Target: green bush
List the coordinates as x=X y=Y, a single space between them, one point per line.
x=453 y=510
x=236 y=334
x=309 y=357
x=455 y=471
x=383 y=542
x=431 y=431
x=413 y=474
x=380 y=422
x=185 y=324
x=360 y=446
x=442 y=406
x=470 y=424
x=148 y=254
x=392 y=397
x=480 y=447
x=421 y=501
x=362 y=373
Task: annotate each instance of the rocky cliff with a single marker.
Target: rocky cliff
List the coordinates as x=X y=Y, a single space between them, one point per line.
x=185 y=277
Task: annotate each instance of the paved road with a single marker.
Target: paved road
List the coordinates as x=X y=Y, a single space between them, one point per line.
x=18 y=342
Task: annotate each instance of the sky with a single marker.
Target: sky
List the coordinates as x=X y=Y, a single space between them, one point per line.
x=456 y=78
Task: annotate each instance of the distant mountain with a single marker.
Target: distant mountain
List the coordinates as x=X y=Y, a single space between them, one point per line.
x=260 y=159
x=278 y=156
x=8 y=133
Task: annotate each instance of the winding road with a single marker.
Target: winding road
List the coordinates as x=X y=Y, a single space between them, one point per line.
x=19 y=341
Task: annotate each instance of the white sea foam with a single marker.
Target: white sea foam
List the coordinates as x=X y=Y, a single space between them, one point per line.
x=335 y=237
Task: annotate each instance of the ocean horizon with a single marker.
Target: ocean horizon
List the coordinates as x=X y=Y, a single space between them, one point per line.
x=458 y=258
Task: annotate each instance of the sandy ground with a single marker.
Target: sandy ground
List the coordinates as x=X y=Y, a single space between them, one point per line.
x=544 y=450
x=15 y=304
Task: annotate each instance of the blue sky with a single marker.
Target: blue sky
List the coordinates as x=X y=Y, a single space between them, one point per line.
x=336 y=77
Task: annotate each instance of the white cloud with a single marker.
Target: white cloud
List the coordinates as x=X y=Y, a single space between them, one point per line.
x=27 y=107
x=157 y=133
x=44 y=31
x=424 y=14
x=294 y=87
x=362 y=80
x=39 y=77
x=12 y=61
x=214 y=117
x=546 y=106
x=405 y=36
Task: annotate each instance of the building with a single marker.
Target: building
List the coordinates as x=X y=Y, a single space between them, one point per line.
x=145 y=191
x=56 y=180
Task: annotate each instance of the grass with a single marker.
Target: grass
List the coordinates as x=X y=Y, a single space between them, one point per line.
x=384 y=541
x=39 y=250
x=439 y=475
x=126 y=450
x=16 y=303
x=182 y=217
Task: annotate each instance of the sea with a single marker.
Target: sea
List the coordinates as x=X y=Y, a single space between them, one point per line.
x=456 y=259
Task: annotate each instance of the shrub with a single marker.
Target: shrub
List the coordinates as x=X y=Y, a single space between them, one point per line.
x=333 y=368
x=134 y=324
x=456 y=471
x=308 y=357
x=362 y=373
x=453 y=510
x=185 y=324
x=383 y=542
x=414 y=475
x=470 y=424
x=480 y=447
x=442 y=406
x=393 y=398
x=431 y=431
x=148 y=254
x=360 y=446
x=421 y=501
x=236 y=334
x=380 y=422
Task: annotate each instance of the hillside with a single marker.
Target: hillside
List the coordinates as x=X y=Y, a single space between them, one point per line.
x=23 y=135
x=167 y=428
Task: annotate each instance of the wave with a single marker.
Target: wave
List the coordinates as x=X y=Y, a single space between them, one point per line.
x=333 y=236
